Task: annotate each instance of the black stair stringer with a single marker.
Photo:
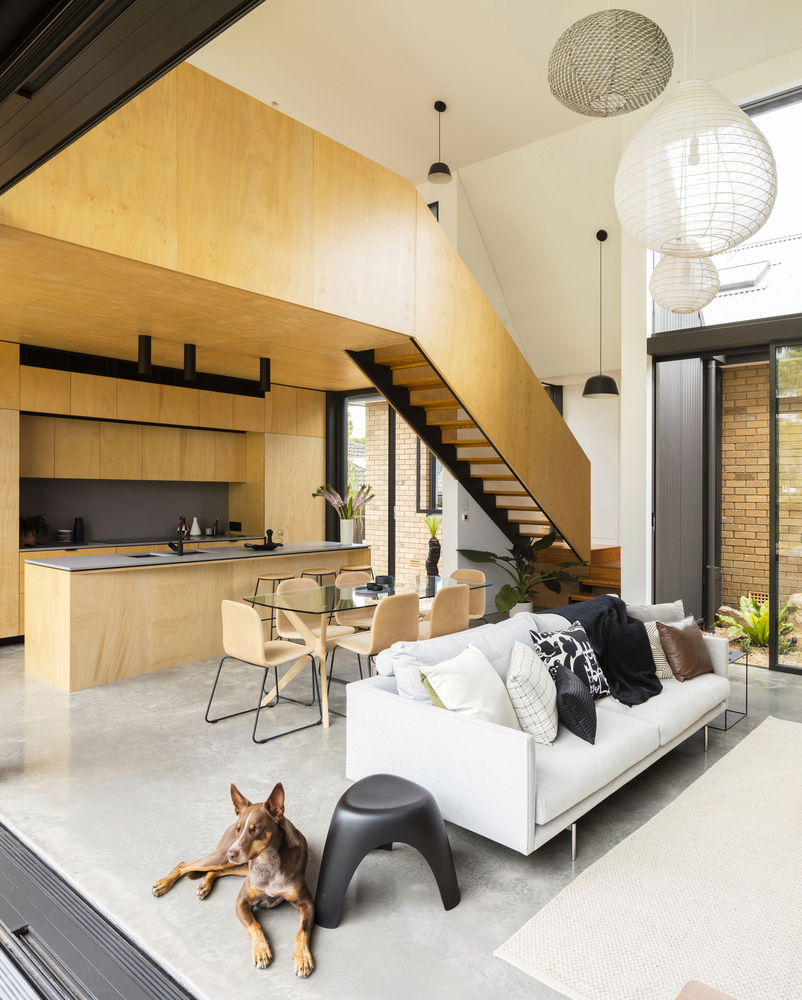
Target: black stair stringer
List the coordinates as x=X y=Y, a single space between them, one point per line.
x=398 y=397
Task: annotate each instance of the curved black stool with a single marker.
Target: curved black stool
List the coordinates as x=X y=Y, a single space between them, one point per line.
x=372 y=814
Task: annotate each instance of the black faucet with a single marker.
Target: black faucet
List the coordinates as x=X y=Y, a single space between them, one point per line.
x=179 y=547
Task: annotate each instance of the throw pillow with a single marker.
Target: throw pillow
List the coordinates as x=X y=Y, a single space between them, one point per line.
x=533 y=694
x=571 y=647
x=685 y=648
x=657 y=612
x=661 y=665
x=575 y=705
x=469 y=685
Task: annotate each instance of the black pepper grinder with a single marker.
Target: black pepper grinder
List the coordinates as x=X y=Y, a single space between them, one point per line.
x=78 y=530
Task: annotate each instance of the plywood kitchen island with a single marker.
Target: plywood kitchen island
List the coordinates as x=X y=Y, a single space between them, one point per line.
x=94 y=619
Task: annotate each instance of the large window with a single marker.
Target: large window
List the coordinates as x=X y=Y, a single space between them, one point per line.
x=761 y=277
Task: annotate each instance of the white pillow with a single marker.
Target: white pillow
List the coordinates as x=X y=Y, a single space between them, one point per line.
x=661 y=665
x=533 y=694
x=469 y=685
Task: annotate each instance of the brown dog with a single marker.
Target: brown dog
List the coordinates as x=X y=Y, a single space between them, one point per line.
x=267 y=849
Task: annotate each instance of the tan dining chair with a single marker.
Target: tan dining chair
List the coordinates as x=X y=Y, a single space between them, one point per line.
x=356 y=617
x=395 y=620
x=244 y=640
x=287 y=630
x=449 y=613
x=476 y=598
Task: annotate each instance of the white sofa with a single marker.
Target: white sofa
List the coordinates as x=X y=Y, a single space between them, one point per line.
x=498 y=781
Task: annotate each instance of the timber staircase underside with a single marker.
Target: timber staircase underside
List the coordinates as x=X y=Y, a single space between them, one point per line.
x=422 y=397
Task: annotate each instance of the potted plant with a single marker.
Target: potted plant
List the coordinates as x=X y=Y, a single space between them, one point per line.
x=520 y=564
x=347 y=508
x=31 y=528
x=433 y=522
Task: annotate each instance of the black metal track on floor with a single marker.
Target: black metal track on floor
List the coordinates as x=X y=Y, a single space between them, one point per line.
x=55 y=944
x=398 y=397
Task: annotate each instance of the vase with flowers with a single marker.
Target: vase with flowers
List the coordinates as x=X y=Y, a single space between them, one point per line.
x=349 y=507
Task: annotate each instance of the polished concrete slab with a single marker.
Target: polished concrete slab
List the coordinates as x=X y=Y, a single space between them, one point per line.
x=119 y=783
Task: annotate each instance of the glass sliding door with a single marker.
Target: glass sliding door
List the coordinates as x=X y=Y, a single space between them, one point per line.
x=369 y=463
x=785 y=589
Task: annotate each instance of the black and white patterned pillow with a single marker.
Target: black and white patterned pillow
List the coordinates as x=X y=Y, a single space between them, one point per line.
x=575 y=706
x=572 y=648
x=661 y=665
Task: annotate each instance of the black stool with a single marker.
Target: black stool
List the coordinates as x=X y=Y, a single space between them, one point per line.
x=373 y=813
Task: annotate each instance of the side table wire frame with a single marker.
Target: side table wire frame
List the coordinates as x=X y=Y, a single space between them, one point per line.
x=737 y=716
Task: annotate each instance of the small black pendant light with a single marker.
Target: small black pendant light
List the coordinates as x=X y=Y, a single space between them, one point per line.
x=600 y=386
x=189 y=362
x=439 y=172
x=144 y=366
x=264 y=374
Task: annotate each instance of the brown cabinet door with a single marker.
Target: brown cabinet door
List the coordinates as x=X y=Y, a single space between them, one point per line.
x=37 y=449
x=44 y=390
x=215 y=409
x=77 y=449
x=161 y=453
x=230 y=458
x=120 y=451
x=249 y=413
x=178 y=405
x=93 y=396
x=197 y=455
x=137 y=401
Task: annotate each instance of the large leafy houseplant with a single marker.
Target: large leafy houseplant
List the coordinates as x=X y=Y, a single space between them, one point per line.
x=755 y=622
x=521 y=566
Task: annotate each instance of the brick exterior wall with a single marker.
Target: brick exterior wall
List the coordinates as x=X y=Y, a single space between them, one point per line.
x=411 y=534
x=745 y=487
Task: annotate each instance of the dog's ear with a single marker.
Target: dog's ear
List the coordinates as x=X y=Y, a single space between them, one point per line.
x=275 y=804
x=238 y=799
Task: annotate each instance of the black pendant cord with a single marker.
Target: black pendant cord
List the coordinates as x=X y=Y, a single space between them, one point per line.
x=600 y=307
x=439 y=152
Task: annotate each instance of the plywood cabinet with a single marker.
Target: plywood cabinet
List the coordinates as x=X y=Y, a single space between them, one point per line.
x=198 y=455
x=93 y=396
x=310 y=412
x=280 y=405
x=137 y=401
x=178 y=405
x=216 y=409
x=77 y=449
x=230 y=458
x=37 y=451
x=44 y=390
x=249 y=413
x=9 y=376
x=9 y=521
x=120 y=451
x=161 y=453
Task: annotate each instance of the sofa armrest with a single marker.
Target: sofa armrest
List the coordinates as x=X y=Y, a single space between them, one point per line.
x=482 y=775
x=719 y=649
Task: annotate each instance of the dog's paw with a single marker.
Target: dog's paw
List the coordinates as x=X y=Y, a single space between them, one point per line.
x=304 y=966
x=160 y=887
x=262 y=956
x=203 y=890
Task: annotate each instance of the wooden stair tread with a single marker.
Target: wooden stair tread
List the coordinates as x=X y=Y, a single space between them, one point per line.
x=467 y=443
x=490 y=478
x=406 y=361
x=450 y=422
x=473 y=460
x=436 y=404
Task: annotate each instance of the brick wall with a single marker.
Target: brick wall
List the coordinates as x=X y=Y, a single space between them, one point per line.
x=745 y=488
x=411 y=534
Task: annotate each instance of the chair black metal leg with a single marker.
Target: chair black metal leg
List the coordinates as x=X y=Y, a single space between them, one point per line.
x=296 y=701
x=331 y=670
x=233 y=715
x=309 y=725
x=359 y=661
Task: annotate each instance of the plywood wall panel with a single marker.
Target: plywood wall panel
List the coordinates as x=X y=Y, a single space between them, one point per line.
x=9 y=523
x=197 y=456
x=120 y=451
x=178 y=405
x=93 y=396
x=249 y=413
x=230 y=458
x=250 y=168
x=294 y=468
x=44 y=390
x=215 y=409
x=310 y=412
x=280 y=410
x=37 y=446
x=137 y=401
x=9 y=376
x=246 y=500
x=77 y=449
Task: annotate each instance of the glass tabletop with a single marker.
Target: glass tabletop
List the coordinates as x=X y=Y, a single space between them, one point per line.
x=323 y=600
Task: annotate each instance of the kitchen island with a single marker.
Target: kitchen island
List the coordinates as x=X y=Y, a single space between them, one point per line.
x=94 y=619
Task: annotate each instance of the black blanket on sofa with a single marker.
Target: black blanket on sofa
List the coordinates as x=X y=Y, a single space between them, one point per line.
x=621 y=645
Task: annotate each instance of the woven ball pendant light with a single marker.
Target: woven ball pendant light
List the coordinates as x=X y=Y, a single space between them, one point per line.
x=698 y=178
x=610 y=63
x=684 y=284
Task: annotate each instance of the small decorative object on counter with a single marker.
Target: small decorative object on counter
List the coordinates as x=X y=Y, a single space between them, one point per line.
x=214 y=530
x=347 y=509
x=433 y=523
x=65 y=535
x=195 y=530
x=183 y=528
x=31 y=528
x=78 y=530
x=281 y=536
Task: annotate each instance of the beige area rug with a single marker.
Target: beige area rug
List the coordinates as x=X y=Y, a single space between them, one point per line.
x=709 y=889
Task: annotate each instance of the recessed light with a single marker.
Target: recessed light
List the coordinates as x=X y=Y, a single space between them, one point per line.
x=275 y=104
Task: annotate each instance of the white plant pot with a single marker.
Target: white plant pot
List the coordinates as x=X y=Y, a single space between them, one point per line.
x=195 y=531
x=518 y=609
x=346 y=531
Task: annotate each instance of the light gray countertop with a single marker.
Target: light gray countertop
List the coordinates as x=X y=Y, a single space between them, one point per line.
x=77 y=564
x=106 y=543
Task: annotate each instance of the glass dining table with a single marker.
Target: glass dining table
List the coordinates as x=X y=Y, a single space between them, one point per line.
x=324 y=602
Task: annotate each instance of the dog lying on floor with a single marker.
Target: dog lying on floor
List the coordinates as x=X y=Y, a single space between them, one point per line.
x=264 y=847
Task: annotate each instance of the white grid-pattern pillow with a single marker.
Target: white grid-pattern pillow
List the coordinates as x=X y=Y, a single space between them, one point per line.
x=533 y=694
x=661 y=665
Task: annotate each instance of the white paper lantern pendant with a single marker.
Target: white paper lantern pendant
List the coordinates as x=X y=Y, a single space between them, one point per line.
x=610 y=63
x=698 y=178
x=684 y=284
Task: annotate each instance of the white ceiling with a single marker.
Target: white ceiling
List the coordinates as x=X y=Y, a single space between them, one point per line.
x=367 y=72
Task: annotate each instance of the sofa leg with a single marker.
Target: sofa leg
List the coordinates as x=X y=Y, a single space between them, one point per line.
x=705 y=739
x=573 y=842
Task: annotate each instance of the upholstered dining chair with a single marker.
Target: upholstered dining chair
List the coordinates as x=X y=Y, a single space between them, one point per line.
x=244 y=640
x=395 y=620
x=356 y=617
x=476 y=598
x=449 y=613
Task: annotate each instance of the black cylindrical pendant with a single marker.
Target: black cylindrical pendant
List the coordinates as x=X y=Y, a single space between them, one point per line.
x=143 y=366
x=189 y=362
x=264 y=374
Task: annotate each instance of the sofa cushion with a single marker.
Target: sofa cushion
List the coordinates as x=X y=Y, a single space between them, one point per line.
x=533 y=694
x=576 y=708
x=673 y=612
x=661 y=665
x=571 y=769
x=685 y=648
x=468 y=685
x=571 y=648
x=677 y=707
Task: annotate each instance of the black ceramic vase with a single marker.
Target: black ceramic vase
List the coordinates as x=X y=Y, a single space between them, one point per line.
x=433 y=558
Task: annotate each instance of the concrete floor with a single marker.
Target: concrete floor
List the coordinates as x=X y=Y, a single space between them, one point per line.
x=119 y=783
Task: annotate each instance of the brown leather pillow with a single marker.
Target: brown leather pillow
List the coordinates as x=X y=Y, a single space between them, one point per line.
x=685 y=648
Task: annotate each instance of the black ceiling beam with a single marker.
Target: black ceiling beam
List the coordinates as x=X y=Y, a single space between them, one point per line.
x=725 y=337
x=82 y=60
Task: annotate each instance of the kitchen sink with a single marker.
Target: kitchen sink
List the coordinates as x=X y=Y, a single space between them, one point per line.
x=166 y=555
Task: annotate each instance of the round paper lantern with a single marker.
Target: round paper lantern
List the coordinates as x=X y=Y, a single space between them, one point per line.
x=610 y=63
x=684 y=284
x=698 y=178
